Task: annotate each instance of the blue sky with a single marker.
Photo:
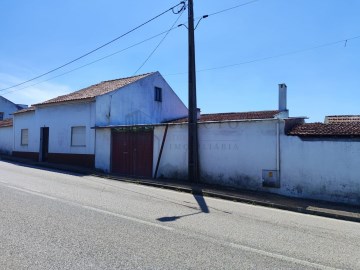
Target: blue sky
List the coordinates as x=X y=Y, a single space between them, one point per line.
x=39 y=35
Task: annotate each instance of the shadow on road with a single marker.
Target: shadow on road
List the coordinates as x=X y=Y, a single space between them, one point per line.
x=174 y=218
x=50 y=167
x=199 y=197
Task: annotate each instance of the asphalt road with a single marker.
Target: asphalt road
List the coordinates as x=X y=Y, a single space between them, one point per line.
x=52 y=220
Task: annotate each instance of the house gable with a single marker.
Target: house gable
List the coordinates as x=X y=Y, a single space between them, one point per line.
x=136 y=103
x=93 y=91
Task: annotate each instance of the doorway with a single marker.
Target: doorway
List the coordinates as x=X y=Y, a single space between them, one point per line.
x=44 y=143
x=132 y=152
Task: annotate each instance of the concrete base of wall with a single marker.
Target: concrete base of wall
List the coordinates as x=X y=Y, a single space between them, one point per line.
x=27 y=155
x=83 y=160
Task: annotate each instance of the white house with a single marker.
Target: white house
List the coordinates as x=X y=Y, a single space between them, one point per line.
x=61 y=129
x=137 y=126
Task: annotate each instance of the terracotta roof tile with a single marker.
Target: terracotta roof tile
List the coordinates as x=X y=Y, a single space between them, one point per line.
x=342 y=118
x=6 y=123
x=30 y=109
x=96 y=90
x=232 y=116
x=327 y=130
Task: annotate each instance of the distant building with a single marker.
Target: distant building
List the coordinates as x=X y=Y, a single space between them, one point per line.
x=7 y=108
x=331 y=119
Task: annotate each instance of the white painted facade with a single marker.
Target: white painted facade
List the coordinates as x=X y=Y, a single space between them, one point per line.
x=236 y=153
x=26 y=121
x=60 y=118
x=326 y=169
x=6 y=140
x=135 y=104
x=7 y=108
x=131 y=105
x=103 y=149
x=231 y=153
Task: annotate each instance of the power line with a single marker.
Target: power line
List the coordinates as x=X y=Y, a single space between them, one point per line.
x=234 y=7
x=95 y=61
x=271 y=57
x=100 y=47
x=161 y=41
x=223 y=10
x=107 y=56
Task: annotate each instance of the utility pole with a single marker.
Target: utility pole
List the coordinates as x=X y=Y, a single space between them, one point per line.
x=193 y=167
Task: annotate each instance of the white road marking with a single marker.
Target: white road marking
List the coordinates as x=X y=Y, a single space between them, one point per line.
x=88 y=207
x=282 y=257
x=201 y=237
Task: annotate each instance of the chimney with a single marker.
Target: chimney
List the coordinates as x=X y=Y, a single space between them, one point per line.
x=282 y=97
x=198 y=113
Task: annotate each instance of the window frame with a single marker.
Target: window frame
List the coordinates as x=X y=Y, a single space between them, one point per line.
x=72 y=137
x=1 y=116
x=158 y=94
x=22 y=143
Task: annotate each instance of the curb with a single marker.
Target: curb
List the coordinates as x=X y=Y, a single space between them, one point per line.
x=223 y=196
x=195 y=191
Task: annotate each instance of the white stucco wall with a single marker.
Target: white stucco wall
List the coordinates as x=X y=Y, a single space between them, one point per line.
x=26 y=121
x=7 y=107
x=60 y=118
x=135 y=104
x=173 y=163
x=321 y=169
x=232 y=154
x=6 y=140
x=102 y=149
x=235 y=153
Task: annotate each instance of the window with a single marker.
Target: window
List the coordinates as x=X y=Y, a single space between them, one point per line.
x=1 y=116
x=78 y=136
x=24 y=137
x=158 y=94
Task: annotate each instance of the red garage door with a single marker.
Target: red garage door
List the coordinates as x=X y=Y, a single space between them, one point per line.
x=132 y=152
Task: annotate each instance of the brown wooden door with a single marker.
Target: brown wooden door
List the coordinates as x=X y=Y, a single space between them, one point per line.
x=132 y=152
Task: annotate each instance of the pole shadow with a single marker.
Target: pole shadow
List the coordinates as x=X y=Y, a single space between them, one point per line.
x=199 y=197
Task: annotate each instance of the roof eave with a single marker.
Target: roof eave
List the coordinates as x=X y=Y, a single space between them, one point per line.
x=74 y=101
x=184 y=123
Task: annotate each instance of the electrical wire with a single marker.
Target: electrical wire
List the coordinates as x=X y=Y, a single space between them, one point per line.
x=107 y=56
x=234 y=7
x=90 y=63
x=271 y=57
x=98 y=48
x=161 y=41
